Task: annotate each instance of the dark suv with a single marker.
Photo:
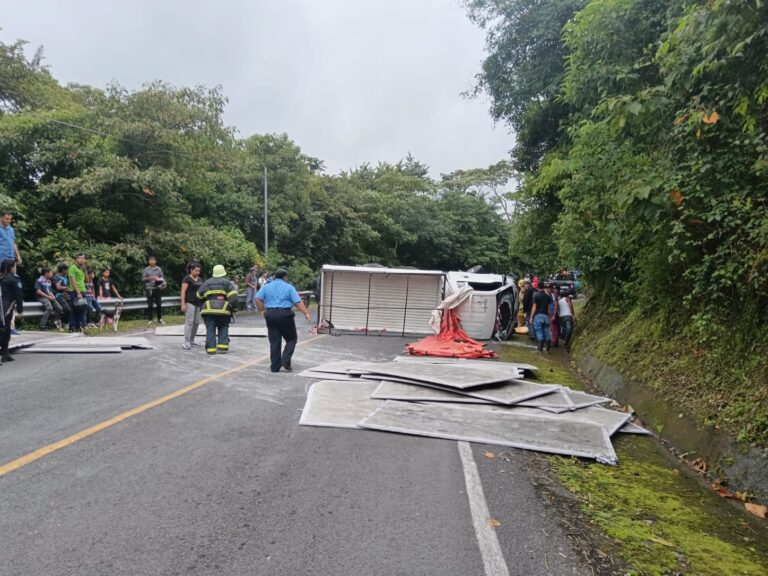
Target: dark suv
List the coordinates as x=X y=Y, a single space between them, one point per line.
x=568 y=286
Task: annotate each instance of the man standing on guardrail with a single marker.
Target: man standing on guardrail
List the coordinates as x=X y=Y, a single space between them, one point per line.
x=218 y=298
x=276 y=300
x=154 y=283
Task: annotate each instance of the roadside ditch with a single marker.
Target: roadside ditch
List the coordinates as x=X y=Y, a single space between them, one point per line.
x=651 y=514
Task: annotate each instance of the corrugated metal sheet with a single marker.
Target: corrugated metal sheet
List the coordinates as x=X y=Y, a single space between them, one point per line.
x=376 y=300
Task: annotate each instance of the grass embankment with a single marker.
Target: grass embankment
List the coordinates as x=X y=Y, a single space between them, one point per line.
x=657 y=519
x=723 y=382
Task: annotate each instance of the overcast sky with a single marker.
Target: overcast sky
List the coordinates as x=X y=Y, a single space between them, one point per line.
x=350 y=81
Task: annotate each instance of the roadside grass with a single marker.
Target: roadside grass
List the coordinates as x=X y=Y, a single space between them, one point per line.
x=722 y=383
x=658 y=519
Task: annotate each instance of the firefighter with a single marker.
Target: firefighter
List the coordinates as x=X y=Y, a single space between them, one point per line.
x=218 y=298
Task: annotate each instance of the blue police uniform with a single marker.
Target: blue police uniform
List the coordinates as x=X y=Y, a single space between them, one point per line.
x=279 y=298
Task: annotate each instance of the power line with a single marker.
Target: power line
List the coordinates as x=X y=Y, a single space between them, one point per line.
x=129 y=141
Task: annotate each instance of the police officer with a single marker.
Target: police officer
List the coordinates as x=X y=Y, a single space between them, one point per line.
x=276 y=300
x=218 y=298
x=11 y=295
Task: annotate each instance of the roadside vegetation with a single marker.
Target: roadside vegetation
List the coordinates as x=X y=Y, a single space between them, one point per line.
x=122 y=175
x=648 y=515
x=642 y=152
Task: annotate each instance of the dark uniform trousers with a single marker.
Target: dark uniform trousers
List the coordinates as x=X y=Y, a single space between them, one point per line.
x=216 y=333
x=281 y=325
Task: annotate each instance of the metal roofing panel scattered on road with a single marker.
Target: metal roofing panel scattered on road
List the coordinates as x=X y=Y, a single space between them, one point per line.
x=328 y=375
x=581 y=399
x=338 y=404
x=632 y=428
x=611 y=420
x=556 y=401
x=31 y=337
x=508 y=392
x=488 y=427
x=409 y=392
x=343 y=367
x=50 y=349
x=450 y=375
x=481 y=363
x=103 y=341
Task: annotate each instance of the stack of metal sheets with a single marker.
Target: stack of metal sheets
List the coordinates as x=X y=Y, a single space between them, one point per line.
x=53 y=343
x=473 y=400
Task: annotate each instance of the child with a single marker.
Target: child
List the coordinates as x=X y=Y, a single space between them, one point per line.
x=44 y=294
x=94 y=308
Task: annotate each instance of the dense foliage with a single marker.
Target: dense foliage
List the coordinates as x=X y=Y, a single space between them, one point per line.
x=643 y=140
x=122 y=175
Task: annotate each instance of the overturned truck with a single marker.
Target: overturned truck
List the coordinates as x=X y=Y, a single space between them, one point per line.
x=400 y=301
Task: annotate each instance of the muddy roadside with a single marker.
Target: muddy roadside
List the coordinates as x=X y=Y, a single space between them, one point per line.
x=651 y=514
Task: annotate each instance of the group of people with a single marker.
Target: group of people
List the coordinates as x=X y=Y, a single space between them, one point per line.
x=74 y=295
x=546 y=313
x=254 y=281
x=215 y=301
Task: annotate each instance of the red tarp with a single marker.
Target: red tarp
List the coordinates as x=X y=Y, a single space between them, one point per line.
x=450 y=342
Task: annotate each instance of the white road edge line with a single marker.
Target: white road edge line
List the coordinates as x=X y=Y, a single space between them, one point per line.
x=493 y=559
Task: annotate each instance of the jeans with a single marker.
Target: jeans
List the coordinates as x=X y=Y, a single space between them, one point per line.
x=155 y=297
x=78 y=316
x=191 y=322
x=50 y=308
x=216 y=333
x=66 y=310
x=566 y=328
x=94 y=308
x=281 y=325
x=541 y=328
x=250 y=296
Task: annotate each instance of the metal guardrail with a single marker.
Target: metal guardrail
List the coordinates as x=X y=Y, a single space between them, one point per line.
x=35 y=309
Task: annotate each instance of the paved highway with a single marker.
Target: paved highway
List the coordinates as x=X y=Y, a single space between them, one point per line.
x=218 y=478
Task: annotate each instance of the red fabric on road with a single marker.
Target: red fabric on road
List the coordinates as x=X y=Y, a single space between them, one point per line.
x=450 y=342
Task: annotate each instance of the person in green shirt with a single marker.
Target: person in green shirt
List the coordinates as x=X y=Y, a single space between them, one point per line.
x=77 y=319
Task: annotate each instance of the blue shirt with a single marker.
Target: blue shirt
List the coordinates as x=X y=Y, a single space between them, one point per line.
x=278 y=294
x=7 y=240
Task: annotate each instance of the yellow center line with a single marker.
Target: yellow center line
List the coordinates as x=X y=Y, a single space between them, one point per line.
x=103 y=425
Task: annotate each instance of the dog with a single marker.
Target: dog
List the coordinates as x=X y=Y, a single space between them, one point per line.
x=112 y=316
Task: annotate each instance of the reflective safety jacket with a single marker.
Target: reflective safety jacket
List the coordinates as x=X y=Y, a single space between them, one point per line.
x=217 y=296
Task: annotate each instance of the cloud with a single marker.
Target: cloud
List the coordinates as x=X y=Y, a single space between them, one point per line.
x=349 y=81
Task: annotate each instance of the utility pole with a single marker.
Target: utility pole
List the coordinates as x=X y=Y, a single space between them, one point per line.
x=266 y=221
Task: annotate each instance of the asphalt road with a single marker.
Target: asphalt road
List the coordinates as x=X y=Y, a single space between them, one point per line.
x=222 y=480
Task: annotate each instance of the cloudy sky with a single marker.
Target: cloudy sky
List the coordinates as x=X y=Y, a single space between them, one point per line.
x=350 y=81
